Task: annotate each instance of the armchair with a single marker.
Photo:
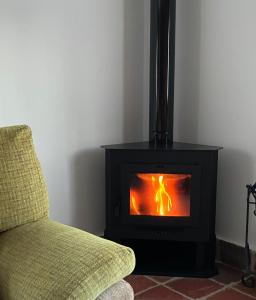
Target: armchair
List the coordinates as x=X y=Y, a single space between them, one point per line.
x=40 y=258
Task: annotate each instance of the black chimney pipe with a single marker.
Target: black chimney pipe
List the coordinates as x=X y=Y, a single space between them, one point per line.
x=162 y=66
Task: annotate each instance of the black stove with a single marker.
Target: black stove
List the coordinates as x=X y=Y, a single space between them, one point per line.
x=161 y=194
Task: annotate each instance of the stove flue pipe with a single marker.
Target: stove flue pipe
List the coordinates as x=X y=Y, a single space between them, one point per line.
x=162 y=66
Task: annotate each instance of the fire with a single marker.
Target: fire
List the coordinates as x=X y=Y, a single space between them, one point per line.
x=162 y=198
x=134 y=205
x=160 y=195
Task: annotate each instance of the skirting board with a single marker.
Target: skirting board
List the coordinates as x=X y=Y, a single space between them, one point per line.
x=233 y=255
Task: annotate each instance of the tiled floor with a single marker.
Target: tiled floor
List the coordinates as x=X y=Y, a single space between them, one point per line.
x=225 y=286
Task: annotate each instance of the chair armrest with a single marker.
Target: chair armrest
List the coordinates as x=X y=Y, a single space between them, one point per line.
x=49 y=260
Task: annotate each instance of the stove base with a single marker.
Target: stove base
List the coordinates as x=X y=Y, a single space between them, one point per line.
x=171 y=258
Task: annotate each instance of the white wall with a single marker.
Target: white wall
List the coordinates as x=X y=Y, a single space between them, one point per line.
x=216 y=98
x=73 y=71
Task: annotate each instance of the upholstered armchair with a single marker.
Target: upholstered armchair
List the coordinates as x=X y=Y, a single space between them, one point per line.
x=43 y=259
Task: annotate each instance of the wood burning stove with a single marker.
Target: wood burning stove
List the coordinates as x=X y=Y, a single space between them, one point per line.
x=161 y=195
x=161 y=198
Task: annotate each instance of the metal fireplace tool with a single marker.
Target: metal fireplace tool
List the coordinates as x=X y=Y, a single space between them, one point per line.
x=249 y=277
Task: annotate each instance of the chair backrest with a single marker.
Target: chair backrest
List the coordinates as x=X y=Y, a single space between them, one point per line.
x=23 y=192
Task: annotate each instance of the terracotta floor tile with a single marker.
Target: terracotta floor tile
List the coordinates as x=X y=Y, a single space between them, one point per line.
x=246 y=290
x=139 y=282
x=194 y=287
x=227 y=274
x=161 y=279
x=229 y=294
x=159 y=293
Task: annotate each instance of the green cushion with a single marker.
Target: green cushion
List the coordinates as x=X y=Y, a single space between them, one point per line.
x=48 y=260
x=23 y=193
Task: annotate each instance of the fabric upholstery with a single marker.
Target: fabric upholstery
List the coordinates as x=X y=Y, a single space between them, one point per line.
x=23 y=193
x=120 y=290
x=49 y=260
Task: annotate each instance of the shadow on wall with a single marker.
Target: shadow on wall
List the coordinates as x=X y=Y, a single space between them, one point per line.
x=88 y=190
x=133 y=70
x=236 y=169
x=187 y=70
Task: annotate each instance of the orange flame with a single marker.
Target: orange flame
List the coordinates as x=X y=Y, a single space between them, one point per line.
x=134 y=205
x=160 y=195
x=162 y=198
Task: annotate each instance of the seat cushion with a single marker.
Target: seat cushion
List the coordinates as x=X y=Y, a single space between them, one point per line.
x=49 y=260
x=23 y=193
